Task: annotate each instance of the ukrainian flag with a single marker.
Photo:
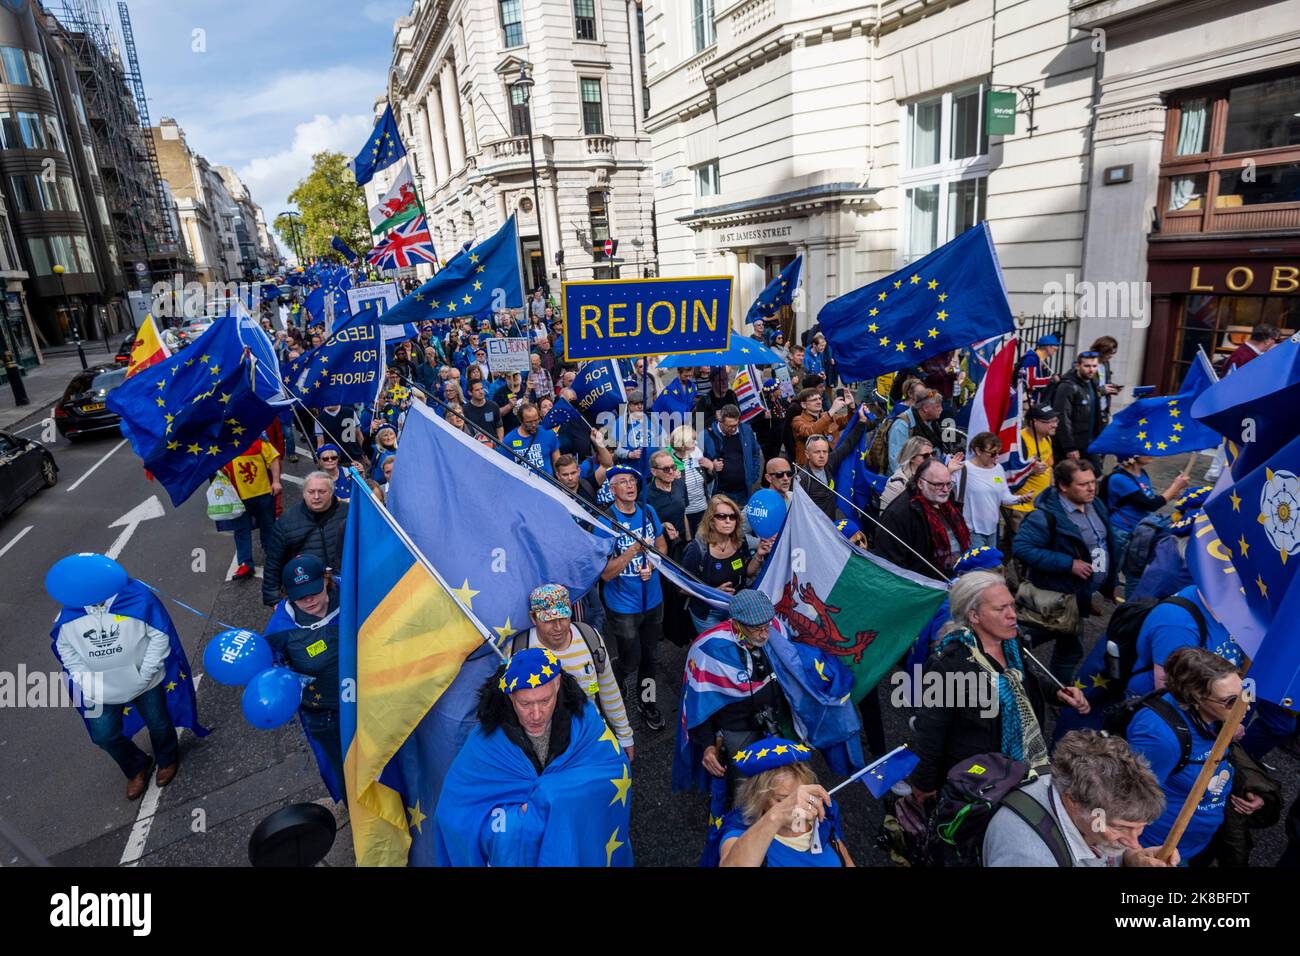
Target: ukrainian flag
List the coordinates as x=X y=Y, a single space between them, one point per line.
x=403 y=643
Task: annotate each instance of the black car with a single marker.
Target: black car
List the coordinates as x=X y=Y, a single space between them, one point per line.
x=81 y=410
x=26 y=467
x=123 y=357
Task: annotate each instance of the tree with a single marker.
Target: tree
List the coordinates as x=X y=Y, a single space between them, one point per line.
x=331 y=204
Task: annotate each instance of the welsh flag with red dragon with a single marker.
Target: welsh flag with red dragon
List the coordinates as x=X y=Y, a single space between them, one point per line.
x=858 y=607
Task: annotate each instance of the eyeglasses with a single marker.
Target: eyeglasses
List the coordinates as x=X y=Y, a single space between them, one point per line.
x=329 y=457
x=779 y=474
x=723 y=516
x=1226 y=701
x=937 y=484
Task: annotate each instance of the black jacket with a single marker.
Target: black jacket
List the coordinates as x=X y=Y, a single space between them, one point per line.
x=822 y=496
x=302 y=531
x=947 y=735
x=905 y=519
x=1080 y=406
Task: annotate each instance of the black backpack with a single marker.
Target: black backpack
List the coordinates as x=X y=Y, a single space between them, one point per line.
x=975 y=790
x=1122 y=640
x=1118 y=718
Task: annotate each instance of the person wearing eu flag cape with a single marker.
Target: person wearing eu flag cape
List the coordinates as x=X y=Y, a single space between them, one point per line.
x=542 y=781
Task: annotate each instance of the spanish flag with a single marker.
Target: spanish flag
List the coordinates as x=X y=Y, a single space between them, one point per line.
x=407 y=693
x=148 y=348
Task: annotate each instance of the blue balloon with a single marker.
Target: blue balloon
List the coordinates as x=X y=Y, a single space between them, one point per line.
x=766 y=512
x=236 y=656
x=272 y=697
x=82 y=579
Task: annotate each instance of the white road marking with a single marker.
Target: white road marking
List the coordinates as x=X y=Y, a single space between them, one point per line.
x=144 y=817
x=77 y=484
x=28 y=428
x=294 y=478
x=15 y=539
x=151 y=507
x=234 y=566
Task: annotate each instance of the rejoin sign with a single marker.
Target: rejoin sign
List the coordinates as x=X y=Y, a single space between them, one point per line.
x=625 y=318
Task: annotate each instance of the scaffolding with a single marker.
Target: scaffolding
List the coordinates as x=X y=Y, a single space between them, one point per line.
x=116 y=114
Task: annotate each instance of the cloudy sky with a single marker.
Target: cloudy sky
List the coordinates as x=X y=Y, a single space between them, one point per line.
x=267 y=83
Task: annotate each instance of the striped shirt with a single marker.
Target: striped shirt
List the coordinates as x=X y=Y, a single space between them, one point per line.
x=696 y=500
x=576 y=661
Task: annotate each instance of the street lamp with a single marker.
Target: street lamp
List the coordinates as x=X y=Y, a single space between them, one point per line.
x=293 y=229
x=147 y=279
x=525 y=86
x=72 y=319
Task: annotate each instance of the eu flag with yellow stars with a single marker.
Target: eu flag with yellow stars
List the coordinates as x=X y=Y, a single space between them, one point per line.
x=411 y=663
x=779 y=292
x=188 y=416
x=1163 y=425
x=382 y=149
x=477 y=282
x=347 y=368
x=947 y=300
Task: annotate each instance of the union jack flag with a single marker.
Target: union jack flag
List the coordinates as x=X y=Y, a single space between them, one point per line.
x=406 y=245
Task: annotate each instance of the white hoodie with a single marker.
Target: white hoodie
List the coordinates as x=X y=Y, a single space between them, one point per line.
x=125 y=653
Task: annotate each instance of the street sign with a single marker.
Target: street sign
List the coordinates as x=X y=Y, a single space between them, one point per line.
x=507 y=355
x=141 y=268
x=609 y=247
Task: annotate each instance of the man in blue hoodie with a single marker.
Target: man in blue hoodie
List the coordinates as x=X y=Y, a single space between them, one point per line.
x=1067 y=544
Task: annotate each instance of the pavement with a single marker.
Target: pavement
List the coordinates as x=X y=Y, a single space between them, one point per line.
x=68 y=798
x=45 y=383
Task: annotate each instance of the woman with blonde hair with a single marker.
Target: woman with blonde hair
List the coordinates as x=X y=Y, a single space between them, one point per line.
x=696 y=471
x=720 y=557
x=916 y=452
x=782 y=817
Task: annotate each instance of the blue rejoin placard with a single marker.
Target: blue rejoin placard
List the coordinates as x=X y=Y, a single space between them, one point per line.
x=625 y=318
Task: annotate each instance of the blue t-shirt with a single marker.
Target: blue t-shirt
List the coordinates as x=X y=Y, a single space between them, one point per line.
x=535 y=449
x=1169 y=627
x=778 y=854
x=814 y=363
x=1121 y=485
x=1149 y=735
x=627 y=593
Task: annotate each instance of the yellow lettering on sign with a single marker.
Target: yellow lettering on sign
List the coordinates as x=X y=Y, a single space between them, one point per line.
x=1285 y=279
x=1195 y=285
x=650 y=318
x=1238 y=286
x=710 y=316
x=594 y=321
x=636 y=331
x=615 y=319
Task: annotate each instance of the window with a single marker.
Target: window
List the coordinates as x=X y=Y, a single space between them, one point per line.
x=518 y=112
x=708 y=181
x=15 y=63
x=53 y=138
x=81 y=109
x=9 y=133
x=103 y=210
x=62 y=254
x=945 y=185
x=69 y=192
x=512 y=25
x=584 y=19
x=593 y=119
x=40 y=257
x=30 y=126
x=82 y=245
x=22 y=191
x=40 y=76
x=598 y=217
x=46 y=195
x=640 y=27
x=1206 y=182
x=702 y=24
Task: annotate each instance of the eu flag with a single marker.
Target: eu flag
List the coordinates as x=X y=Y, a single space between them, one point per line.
x=382 y=149
x=1163 y=425
x=326 y=306
x=478 y=282
x=676 y=398
x=1257 y=409
x=561 y=413
x=343 y=249
x=599 y=388
x=347 y=368
x=779 y=292
x=415 y=661
x=947 y=300
x=889 y=769
x=188 y=416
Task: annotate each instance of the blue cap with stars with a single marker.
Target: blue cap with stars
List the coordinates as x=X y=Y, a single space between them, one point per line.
x=530 y=668
x=982 y=558
x=768 y=754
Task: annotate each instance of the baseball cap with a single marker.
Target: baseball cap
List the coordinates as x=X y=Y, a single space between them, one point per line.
x=304 y=576
x=1043 y=413
x=550 y=602
x=1048 y=340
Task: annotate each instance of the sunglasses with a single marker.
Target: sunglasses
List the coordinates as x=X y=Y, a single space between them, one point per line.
x=724 y=516
x=779 y=474
x=329 y=458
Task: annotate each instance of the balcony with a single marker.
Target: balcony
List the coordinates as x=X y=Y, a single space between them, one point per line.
x=511 y=154
x=600 y=147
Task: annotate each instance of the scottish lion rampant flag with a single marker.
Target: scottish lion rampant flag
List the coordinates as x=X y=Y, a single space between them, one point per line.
x=817 y=687
x=857 y=607
x=140 y=602
x=946 y=300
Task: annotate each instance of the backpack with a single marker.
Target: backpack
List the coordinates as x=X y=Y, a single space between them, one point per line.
x=1122 y=640
x=975 y=790
x=878 y=450
x=1118 y=718
x=1142 y=544
x=590 y=636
